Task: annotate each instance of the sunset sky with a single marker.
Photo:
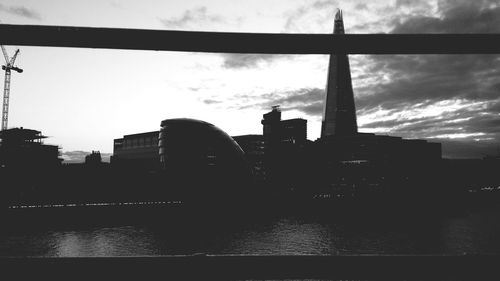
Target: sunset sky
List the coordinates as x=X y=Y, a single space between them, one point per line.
x=84 y=98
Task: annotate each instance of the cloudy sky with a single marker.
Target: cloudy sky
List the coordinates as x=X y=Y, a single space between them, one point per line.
x=84 y=98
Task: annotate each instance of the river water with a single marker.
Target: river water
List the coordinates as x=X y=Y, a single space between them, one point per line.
x=279 y=234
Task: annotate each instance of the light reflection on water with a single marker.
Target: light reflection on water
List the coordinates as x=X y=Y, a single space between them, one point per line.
x=287 y=235
x=107 y=241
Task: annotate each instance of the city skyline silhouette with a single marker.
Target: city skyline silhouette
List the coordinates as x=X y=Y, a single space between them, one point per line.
x=247 y=141
x=437 y=99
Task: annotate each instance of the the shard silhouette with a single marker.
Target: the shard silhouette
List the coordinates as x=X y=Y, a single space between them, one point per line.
x=339 y=117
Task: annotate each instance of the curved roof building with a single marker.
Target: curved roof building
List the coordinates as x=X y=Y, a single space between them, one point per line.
x=201 y=160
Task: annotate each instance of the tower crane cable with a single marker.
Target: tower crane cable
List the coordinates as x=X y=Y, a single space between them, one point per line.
x=5 y=54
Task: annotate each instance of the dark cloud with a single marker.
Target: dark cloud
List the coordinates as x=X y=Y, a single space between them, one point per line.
x=412 y=4
x=236 y=61
x=470 y=132
x=21 y=11
x=404 y=88
x=456 y=17
x=196 y=16
x=429 y=78
x=211 y=101
x=409 y=82
x=307 y=100
x=324 y=4
x=469 y=119
x=312 y=109
x=433 y=80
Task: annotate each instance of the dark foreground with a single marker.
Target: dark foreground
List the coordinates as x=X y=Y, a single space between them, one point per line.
x=203 y=267
x=309 y=241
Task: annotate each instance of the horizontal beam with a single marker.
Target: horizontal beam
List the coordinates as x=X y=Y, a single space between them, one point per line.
x=204 y=267
x=224 y=42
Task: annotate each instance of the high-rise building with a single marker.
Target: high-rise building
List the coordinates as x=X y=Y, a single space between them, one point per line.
x=339 y=117
x=339 y=130
x=277 y=131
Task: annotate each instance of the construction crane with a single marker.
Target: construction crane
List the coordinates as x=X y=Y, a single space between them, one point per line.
x=9 y=65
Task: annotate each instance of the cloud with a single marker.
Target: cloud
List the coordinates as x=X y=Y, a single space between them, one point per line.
x=21 y=11
x=211 y=101
x=198 y=16
x=312 y=12
x=457 y=16
x=448 y=98
x=441 y=119
x=409 y=79
x=306 y=100
x=238 y=61
x=452 y=99
x=413 y=5
x=361 y=6
x=413 y=79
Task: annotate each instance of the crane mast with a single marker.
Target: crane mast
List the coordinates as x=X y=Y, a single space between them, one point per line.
x=9 y=65
x=6 y=92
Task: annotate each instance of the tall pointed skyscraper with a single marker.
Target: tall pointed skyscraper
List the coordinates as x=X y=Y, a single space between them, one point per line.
x=339 y=117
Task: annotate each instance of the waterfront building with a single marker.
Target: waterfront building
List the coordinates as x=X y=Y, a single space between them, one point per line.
x=254 y=147
x=278 y=155
x=138 y=151
x=202 y=162
x=340 y=140
x=277 y=131
x=367 y=147
x=349 y=163
x=24 y=148
x=285 y=150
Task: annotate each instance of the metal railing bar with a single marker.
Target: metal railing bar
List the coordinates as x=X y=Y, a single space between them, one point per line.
x=225 y=42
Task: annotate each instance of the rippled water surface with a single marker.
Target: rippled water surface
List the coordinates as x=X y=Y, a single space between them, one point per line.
x=476 y=232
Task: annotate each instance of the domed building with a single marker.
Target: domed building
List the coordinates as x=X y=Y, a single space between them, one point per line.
x=202 y=162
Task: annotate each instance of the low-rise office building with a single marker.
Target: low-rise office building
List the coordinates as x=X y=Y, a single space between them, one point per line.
x=137 y=151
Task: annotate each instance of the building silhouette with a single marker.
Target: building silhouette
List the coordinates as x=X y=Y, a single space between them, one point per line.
x=27 y=166
x=22 y=148
x=347 y=164
x=340 y=139
x=254 y=147
x=277 y=131
x=93 y=159
x=277 y=156
x=339 y=117
x=202 y=163
x=139 y=151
